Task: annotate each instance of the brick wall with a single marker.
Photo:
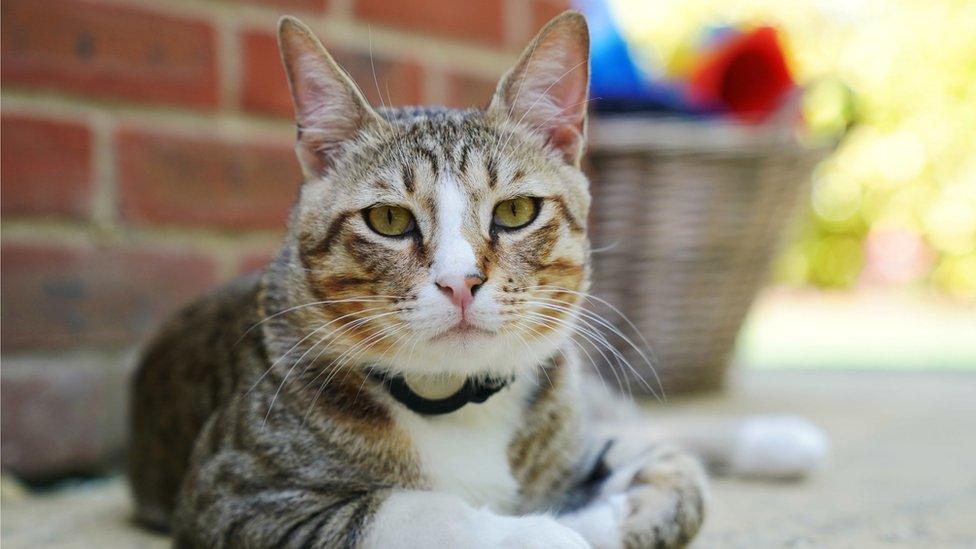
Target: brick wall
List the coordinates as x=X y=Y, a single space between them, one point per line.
x=147 y=156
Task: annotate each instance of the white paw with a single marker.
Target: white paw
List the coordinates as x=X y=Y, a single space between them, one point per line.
x=540 y=533
x=778 y=447
x=600 y=521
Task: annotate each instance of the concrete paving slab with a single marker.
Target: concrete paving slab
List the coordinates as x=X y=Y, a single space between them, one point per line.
x=902 y=472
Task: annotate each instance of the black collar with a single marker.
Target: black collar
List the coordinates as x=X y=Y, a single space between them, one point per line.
x=476 y=391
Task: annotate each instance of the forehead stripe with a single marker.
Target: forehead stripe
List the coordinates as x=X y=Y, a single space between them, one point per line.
x=463 y=164
x=333 y=232
x=574 y=224
x=492 y=172
x=432 y=158
x=408 y=176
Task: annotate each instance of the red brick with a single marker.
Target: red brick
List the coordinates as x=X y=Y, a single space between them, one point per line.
x=474 y=20
x=255 y=261
x=203 y=181
x=57 y=296
x=110 y=51
x=544 y=10
x=265 y=88
x=393 y=82
x=45 y=167
x=304 y=5
x=63 y=414
x=466 y=90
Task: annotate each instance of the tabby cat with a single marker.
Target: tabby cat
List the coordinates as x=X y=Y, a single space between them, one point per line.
x=402 y=374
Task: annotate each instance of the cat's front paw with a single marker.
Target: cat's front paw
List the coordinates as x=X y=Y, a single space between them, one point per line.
x=666 y=500
x=541 y=533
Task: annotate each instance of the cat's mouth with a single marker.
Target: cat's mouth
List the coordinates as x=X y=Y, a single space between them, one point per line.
x=462 y=331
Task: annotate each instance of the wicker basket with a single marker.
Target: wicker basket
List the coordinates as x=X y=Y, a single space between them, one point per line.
x=686 y=219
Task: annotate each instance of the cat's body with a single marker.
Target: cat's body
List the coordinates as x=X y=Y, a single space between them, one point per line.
x=429 y=249
x=351 y=447
x=280 y=462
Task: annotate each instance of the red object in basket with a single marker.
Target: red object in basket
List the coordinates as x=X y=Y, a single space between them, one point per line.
x=747 y=76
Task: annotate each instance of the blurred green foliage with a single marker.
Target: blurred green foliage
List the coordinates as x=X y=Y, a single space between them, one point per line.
x=896 y=202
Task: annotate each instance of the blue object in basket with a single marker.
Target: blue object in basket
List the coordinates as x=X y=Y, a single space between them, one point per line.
x=617 y=84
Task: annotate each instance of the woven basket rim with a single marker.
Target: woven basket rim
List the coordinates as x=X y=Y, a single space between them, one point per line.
x=662 y=134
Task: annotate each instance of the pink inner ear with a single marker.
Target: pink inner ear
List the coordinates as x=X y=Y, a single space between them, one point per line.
x=570 y=96
x=551 y=95
x=328 y=112
x=561 y=114
x=307 y=94
x=314 y=88
x=564 y=137
x=328 y=107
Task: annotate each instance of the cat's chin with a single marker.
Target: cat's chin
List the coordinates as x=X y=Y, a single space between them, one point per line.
x=466 y=353
x=462 y=335
x=471 y=349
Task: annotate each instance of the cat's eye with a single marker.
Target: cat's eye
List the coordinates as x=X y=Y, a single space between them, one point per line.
x=515 y=213
x=390 y=220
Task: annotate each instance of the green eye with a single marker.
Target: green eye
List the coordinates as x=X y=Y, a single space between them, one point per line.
x=515 y=213
x=390 y=220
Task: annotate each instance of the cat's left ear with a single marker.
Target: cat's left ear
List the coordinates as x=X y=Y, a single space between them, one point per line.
x=329 y=108
x=548 y=87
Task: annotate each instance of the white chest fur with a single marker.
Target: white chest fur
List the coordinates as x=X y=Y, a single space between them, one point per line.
x=465 y=452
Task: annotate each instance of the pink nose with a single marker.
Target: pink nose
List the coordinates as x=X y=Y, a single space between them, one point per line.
x=460 y=290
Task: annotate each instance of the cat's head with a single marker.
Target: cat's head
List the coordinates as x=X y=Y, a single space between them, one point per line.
x=439 y=240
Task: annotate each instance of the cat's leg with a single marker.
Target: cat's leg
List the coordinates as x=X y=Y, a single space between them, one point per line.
x=758 y=446
x=418 y=519
x=652 y=498
x=666 y=492
x=230 y=501
x=775 y=446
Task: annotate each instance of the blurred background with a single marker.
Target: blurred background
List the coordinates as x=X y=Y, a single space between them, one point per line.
x=147 y=158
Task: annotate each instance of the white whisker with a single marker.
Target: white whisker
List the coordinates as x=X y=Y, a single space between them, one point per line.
x=349 y=355
x=299 y=342
x=369 y=32
x=595 y=336
x=284 y=380
x=590 y=314
x=364 y=299
x=589 y=333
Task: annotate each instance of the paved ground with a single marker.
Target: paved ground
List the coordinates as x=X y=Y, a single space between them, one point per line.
x=902 y=474
x=902 y=471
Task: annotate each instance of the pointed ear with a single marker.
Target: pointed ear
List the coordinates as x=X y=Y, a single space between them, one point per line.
x=329 y=108
x=548 y=87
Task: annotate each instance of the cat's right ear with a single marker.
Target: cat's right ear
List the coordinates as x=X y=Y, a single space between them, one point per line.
x=329 y=108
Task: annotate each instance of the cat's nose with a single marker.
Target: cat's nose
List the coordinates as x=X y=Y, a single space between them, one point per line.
x=460 y=290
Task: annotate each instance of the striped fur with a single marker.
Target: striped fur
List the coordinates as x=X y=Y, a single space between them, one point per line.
x=255 y=421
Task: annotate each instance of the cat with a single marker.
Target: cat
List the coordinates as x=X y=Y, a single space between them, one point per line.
x=402 y=373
